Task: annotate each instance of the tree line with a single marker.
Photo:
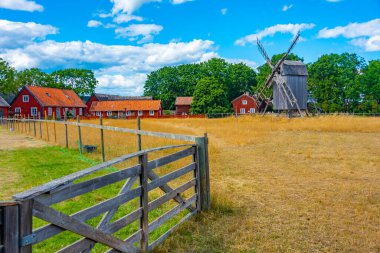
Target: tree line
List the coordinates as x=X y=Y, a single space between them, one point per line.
x=82 y=81
x=336 y=83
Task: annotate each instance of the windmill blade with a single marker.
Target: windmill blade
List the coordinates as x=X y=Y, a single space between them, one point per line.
x=296 y=38
x=264 y=53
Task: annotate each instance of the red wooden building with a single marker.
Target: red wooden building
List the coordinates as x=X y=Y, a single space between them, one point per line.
x=244 y=104
x=182 y=105
x=4 y=108
x=36 y=101
x=127 y=108
x=106 y=97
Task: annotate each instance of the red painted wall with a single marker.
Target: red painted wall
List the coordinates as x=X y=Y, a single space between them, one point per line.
x=89 y=102
x=182 y=109
x=238 y=104
x=4 y=111
x=26 y=106
x=133 y=115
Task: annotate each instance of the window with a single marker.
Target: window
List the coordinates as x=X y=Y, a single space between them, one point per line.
x=140 y=113
x=242 y=110
x=244 y=102
x=98 y=114
x=109 y=114
x=18 y=110
x=74 y=112
x=80 y=111
x=151 y=113
x=50 y=111
x=33 y=111
x=129 y=113
x=252 y=110
x=25 y=98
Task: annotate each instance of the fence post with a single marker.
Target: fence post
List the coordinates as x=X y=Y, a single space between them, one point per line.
x=9 y=229
x=66 y=134
x=47 y=126
x=204 y=176
x=79 y=135
x=144 y=222
x=26 y=219
x=138 y=135
x=40 y=125
x=102 y=138
x=35 y=131
x=55 y=132
x=28 y=124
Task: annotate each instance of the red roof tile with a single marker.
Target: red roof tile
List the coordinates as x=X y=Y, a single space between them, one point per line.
x=56 y=97
x=126 y=105
x=183 y=100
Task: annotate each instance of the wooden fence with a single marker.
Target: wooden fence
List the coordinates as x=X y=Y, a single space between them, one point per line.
x=16 y=217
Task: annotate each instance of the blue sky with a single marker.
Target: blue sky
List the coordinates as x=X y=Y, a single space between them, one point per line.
x=123 y=40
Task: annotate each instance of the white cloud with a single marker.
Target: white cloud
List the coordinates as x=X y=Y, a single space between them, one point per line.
x=119 y=66
x=180 y=1
x=287 y=7
x=21 y=5
x=134 y=32
x=365 y=35
x=270 y=31
x=249 y=63
x=94 y=23
x=125 y=18
x=119 y=84
x=129 y=6
x=14 y=34
x=224 y=11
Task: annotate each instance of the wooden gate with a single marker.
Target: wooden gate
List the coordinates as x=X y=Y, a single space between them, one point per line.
x=16 y=217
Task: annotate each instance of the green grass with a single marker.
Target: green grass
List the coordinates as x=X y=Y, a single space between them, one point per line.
x=23 y=169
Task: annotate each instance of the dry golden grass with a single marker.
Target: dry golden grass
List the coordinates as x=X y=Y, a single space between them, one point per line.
x=278 y=184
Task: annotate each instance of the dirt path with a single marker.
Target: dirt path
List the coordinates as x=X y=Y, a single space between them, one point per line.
x=10 y=141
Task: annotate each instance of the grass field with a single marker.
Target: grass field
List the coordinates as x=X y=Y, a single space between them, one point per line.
x=278 y=185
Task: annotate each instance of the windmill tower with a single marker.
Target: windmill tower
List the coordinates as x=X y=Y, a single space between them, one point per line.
x=288 y=79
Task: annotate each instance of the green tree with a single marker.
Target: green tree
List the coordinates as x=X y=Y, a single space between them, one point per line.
x=333 y=80
x=7 y=78
x=370 y=86
x=210 y=96
x=241 y=78
x=34 y=77
x=82 y=81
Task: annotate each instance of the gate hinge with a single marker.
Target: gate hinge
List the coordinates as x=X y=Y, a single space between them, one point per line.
x=29 y=239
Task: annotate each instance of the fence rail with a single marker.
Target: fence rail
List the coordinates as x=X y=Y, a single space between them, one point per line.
x=16 y=223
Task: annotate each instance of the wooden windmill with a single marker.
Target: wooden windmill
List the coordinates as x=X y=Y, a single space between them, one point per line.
x=288 y=79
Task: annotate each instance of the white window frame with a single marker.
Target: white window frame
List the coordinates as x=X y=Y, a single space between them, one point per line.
x=80 y=111
x=242 y=110
x=151 y=112
x=98 y=114
x=129 y=113
x=140 y=113
x=109 y=113
x=25 y=98
x=50 y=111
x=33 y=109
x=252 y=110
x=244 y=102
x=18 y=110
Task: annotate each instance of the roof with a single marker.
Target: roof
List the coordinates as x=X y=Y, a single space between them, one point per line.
x=107 y=97
x=55 y=97
x=3 y=103
x=294 y=68
x=126 y=105
x=244 y=94
x=183 y=100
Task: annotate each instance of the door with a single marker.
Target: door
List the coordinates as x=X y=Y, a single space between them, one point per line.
x=58 y=112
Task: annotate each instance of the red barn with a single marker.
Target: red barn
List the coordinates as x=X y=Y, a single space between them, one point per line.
x=127 y=108
x=244 y=104
x=106 y=97
x=36 y=101
x=182 y=105
x=4 y=108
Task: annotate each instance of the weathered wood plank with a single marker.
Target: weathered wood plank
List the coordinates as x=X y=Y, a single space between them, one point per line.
x=70 y=178
x=204 y=176
x=171 y=230
x=144 y=220
x=171 y=176
x=11 y=228
x=170 y=158
x=48 y=231
x=26 y=226
x=131 y=239
x=69 y=223
x=74 y=190
x=168 y=215
x=171 y=194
